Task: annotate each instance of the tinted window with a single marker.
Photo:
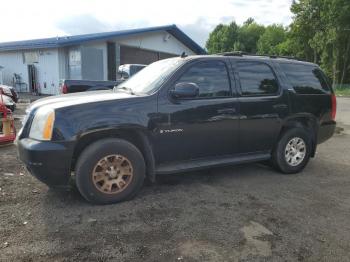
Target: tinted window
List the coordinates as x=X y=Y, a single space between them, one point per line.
x=256 y=79
x=306 y=79
x=211 y=78
x=134 y=69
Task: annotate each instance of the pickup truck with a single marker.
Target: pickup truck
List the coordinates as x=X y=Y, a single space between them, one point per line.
x=124 y=72
x=177 y=115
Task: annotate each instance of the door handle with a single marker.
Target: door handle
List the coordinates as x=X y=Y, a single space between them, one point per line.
x=230 y=110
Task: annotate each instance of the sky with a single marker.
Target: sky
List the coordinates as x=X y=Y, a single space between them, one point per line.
x=24 y=19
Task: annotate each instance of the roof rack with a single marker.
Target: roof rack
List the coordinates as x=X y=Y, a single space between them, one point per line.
x=233 y=53
x=242 y=53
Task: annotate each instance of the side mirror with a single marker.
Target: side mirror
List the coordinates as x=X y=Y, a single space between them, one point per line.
x=124 y=75
x=185 y=90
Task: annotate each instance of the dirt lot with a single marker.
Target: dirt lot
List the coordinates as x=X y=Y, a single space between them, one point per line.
x=241 y=213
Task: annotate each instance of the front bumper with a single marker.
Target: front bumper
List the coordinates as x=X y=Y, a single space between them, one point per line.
x=47 y=161
x=325 y=131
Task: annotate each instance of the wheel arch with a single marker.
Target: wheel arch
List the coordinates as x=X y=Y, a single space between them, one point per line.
x=136 y=136
x=306 y=121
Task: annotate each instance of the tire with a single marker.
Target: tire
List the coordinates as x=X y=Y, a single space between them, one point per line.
x=293 y=161
x=110 y=171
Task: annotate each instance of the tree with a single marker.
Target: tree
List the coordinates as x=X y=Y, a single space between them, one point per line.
x=319 y=33
x=319 y=28
x=248 y=36
x=223 y=38
x=271 y=40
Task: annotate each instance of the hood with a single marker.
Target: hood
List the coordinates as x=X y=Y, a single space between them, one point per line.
x=66 y=100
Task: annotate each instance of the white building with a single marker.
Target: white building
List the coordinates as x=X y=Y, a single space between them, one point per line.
x=42 y=63
x=1 y=82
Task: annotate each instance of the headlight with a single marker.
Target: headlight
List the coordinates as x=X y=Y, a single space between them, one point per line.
x=42 y=124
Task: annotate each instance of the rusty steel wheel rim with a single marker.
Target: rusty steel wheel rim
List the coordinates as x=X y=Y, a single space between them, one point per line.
x=112 y=174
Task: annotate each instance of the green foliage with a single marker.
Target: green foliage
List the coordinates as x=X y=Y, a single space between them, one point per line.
x=222 y=39
x=249 y=35
x=226 y=38
x=319 y=33
x=342 y=90
x=272 y=41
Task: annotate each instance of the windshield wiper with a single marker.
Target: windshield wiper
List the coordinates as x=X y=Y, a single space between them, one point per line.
x=126 y=89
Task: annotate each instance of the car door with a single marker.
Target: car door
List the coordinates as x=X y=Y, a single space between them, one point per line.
x=263 y=105
x=203 y=126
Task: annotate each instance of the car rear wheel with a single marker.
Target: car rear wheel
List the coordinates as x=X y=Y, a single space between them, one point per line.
x=292 y=151
x=110 y=171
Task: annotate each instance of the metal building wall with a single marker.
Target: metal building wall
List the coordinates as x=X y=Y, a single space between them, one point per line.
x=53 y=64
x=92 y=63
x=47 y=69
x=159 y=42
x=13 y=63
x=101 y=45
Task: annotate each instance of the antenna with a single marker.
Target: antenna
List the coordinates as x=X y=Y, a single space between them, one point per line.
x=183 y=55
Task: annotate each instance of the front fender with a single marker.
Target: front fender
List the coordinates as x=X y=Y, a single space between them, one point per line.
x=73 y=122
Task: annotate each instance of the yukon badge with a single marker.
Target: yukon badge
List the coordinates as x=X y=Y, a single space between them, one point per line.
x=162 y=131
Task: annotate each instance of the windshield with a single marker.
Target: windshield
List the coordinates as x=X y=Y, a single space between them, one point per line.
x=151 y=77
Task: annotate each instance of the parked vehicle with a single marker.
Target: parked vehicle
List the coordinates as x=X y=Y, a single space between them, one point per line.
x=128 y=70
x=8 y=102
x=7 y=127
x=9 y=91
x=74 y=86
x=177 y=115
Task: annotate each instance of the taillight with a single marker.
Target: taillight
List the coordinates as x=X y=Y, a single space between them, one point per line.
x=64 y=89
x=334 y=106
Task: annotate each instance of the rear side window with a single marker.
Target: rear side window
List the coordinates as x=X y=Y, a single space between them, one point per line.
x=211 y=78
x=306 y=79
x=256 y=78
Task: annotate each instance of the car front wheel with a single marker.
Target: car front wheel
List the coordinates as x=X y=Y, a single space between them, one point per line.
x=110 y=171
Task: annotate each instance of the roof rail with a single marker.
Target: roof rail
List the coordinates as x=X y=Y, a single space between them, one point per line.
x=233 y=53
x=286 y=57
x=242 y=53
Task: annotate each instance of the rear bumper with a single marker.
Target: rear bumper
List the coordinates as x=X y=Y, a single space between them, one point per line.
x=48 y=161
x=325 y=131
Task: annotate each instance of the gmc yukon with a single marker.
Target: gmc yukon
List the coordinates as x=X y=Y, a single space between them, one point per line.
x=177 y=115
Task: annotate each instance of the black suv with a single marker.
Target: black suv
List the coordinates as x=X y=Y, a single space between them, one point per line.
x=177 y=115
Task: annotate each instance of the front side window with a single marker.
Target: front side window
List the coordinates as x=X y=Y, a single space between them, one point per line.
x=149 y=79
x=211 y=78
x=256 y=79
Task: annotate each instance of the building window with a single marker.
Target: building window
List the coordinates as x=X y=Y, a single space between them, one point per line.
x=74 y=64
x=74 y=58
x=30 y=57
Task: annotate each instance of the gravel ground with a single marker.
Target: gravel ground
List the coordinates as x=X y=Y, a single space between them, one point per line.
x=240 y=213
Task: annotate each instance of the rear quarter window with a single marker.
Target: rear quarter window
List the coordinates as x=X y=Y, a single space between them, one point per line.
x=306 y=79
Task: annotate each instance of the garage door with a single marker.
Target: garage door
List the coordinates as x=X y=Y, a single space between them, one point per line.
x=132 y=55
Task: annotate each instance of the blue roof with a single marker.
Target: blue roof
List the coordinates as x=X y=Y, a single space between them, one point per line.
x=78 y=39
